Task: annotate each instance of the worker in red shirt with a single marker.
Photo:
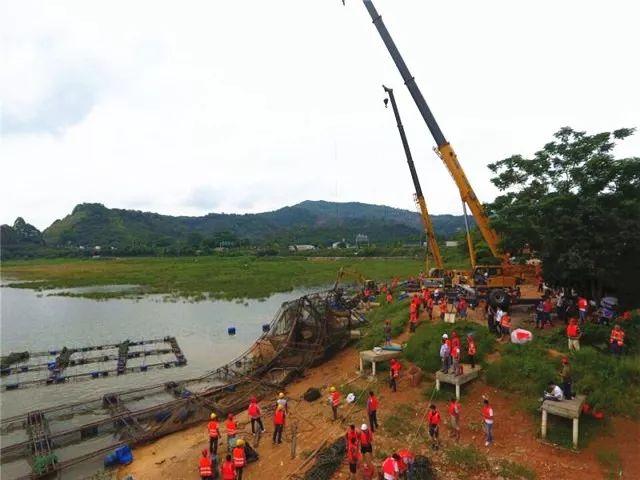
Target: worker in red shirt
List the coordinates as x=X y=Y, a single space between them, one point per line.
x=471 y=350
x=228 y=469
x=406 y=460
x=583 y=306
x=278 y=424
x=391 y=468
x=394 y=374
x=455 y=357
x=547 y=308
x=433 y=419
x=255 y=414
x=232 y=430
x=239 y=458
x=573 y=335
x=334 y=401
x=616 y=340
x=430 y=308
x=353 y=456
x=351 y=433
x=454 y=417
x=413 y=316
x=487 y=418
x=365 y=438
x=389 y=297
x=443 y=307
x=205 y=466
x=214 y=433
x=505 y=326
x=372 y=411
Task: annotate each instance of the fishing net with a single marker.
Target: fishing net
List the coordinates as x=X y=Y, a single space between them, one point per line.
x=328 y=461
x=421 y=469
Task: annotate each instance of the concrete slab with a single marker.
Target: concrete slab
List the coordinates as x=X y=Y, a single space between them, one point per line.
x=468 y=375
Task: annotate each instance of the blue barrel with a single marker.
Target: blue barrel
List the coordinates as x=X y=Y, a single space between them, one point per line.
x=231 y=330
x=266 y=327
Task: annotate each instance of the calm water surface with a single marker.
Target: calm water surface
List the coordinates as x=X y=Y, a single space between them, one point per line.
x=33 y=321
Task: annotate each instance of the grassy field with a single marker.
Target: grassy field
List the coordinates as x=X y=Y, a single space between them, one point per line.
x=200 y=277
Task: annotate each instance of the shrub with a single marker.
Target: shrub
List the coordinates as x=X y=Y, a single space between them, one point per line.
x=468 y=458
x=515 y=471
x=397 y=313
x=423 y=347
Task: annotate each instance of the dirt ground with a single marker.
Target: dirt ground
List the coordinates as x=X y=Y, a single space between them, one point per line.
x=515 y=432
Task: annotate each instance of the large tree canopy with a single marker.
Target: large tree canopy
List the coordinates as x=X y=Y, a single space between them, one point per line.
x=578 y=208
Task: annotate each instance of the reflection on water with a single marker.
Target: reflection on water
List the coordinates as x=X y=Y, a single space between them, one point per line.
x=35 y=322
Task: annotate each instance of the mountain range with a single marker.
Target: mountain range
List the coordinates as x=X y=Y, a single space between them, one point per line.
x=310 y=222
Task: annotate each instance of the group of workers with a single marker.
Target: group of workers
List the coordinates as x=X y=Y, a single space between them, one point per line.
x=434 y=420
x=451 y=352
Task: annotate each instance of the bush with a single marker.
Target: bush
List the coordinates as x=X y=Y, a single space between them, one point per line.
x=423 y=347
x=468 y=458
x=525 y=369
x=515 y=471
x=397 y=313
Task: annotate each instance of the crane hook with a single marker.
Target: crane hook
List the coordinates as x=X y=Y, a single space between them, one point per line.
x=386 y=102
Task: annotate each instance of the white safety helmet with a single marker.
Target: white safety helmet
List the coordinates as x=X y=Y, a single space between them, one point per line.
x=364 y=426
x=444 y=335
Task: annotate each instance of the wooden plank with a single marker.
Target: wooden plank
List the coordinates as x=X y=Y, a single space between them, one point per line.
x=565 y=408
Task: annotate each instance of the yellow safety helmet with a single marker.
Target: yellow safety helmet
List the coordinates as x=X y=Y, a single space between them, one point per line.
x=240 y=442
x=213 y=416
x=281 y=395
x=332 y=389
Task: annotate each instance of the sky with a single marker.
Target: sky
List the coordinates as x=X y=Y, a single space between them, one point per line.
x=191 y=107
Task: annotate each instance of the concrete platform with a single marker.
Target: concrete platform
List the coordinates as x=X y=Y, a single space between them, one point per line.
x=373 y=357
x=566 y=409
x=468 y=375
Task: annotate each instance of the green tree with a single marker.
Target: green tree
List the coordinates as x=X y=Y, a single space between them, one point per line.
x=578 y=208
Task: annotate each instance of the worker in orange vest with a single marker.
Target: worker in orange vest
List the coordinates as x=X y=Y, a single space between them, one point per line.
x=205 y=466
x=455 y=357
x=353 y=456
x=255 y=414
x=239 y=458
x=394 y=374
x=443 y=307
x=471 y=350
x=487 y=417
x=278 y=422
x=413 y=316
x=228 y=469
x=583 y=306
x=334 y=401
x=616 y=340
x=214 y=433
x=573 y=335
x=455 y=340
x=232 y=430
x=406 y=460
x=454 y=416
x=433 y=419
x=505 y=326
x=372 y=411
x=391 y=468
x=366 y=440
x=462 y=308
x=430 y=308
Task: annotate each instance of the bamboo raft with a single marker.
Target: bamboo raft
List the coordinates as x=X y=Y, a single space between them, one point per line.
x=303 y=332
x=73 y=357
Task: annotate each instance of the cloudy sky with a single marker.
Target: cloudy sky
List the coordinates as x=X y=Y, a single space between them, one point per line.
x=246 y=106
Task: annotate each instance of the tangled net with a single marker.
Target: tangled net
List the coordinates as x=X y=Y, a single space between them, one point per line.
x=328 y=461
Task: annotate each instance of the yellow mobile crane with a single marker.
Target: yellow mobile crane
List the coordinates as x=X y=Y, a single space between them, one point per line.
x=424 y=213
x=489 y=279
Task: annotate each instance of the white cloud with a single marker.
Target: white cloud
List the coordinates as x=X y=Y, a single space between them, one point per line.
x=248 y=106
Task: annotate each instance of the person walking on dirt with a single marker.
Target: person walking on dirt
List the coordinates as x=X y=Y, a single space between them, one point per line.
x=282 y=400
x=232 y=430
x=353 y=457
x=205 y=466
x=366 y=440
x=565 y=375
x=445 y=353
x=454 y=417
x=471 y=350
x=433 y=419
x=487 y=418
x=255 y=414
x=394 y=374
x=372 y=411
x=278 y=424
x=214 y=433
x=573 y=335
x=239 y=458
x=334 y=401
x=228 y=469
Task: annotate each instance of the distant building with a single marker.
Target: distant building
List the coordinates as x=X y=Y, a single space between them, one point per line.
x=340 y=244
x=451 y=243
x=301 y=248
x=362 y=239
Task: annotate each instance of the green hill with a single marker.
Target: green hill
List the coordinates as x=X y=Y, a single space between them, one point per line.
x=316 y=222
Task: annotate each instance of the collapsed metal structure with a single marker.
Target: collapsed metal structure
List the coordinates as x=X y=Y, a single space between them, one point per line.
x=56 y=440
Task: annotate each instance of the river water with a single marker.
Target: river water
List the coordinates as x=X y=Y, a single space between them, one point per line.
x=36 y=321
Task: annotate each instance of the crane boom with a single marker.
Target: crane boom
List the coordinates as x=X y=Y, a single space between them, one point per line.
x=424 y=213
x=445 y=151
